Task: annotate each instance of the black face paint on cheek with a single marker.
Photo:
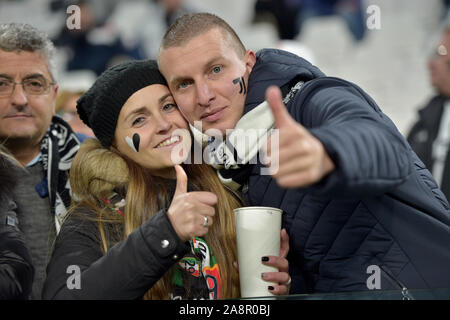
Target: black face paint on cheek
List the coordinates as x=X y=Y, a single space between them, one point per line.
x=136 y=141
x=245 y=86
x=241 y=81
x=235 y=81
x=133 y=143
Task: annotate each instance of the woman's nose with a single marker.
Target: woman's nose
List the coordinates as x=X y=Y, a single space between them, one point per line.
x=163 y=125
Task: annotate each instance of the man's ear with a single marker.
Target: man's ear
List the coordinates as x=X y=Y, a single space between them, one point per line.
x=250 y=60
x=55 y=95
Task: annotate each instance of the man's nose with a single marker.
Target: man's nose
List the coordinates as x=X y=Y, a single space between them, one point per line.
x=18 y=96
x=204 y=94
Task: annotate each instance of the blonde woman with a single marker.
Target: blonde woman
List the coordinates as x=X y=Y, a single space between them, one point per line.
x=141 y=226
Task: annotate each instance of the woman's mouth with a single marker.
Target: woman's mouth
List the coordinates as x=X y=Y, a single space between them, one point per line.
x=169 y=142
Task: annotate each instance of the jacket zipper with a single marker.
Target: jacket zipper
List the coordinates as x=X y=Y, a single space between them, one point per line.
x=398 y=283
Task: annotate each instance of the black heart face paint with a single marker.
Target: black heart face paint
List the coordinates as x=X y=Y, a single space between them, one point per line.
x=134 y=143
x=241 y=82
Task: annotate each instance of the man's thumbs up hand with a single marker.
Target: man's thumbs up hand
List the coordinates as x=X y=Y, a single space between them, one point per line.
x=302 y=159
x=281 y=115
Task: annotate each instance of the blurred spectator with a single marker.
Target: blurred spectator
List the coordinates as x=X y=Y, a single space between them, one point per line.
x=41 y=142
x=93 y=46
x=282 y=13
x=150 y=21
x=289 y=15
x=430 y=135
x=102 y=9
x=16 y=269
x=446 y=4
x=350 y=10
x=71 y=87
x=173 y=9
x=37 y=13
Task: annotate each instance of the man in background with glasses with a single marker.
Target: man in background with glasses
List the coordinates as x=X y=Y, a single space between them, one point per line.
x=44 y=144
x=430 y=136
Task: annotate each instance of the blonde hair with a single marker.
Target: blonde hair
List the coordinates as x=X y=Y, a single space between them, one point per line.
x=97 y=172
x=64 y=96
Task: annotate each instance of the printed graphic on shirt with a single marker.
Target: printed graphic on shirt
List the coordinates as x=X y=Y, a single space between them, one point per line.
x=201 y=265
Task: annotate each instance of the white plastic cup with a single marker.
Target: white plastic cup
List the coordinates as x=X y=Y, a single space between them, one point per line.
x=258 y=234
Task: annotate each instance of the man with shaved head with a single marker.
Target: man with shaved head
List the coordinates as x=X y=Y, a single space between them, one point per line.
x=361 y=210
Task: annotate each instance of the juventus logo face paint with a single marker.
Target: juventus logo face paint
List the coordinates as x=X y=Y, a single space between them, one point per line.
x=133 y=143
x=241 y=81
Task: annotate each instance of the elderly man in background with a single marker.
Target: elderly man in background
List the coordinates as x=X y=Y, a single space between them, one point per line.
x=430 y=135
x=41 y=142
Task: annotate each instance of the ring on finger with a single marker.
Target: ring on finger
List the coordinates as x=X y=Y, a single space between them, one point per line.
x=288 y=283
x=205 y=221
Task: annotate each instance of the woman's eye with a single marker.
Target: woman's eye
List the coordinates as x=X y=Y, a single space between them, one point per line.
x=169 y=106
x=138 y=120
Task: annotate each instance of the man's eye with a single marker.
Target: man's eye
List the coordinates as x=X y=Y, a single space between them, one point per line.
x=183 y=85
x=4 y=83
x=34 y=83
x=217 y=69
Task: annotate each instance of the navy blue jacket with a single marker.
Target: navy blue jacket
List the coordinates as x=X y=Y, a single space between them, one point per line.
x=379 y=210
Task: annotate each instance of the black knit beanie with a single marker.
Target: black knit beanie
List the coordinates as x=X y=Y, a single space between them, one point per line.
x=100 y=106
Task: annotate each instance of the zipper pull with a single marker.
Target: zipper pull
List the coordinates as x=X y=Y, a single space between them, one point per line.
x=405 y=294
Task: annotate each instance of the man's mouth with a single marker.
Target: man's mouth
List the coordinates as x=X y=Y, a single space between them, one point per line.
x=213 y=115
x=18 y=115
x=169 y=142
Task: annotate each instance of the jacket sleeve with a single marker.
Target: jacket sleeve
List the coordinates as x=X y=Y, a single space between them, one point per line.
x=79 y=270
x=16 y=269
x=370 y=154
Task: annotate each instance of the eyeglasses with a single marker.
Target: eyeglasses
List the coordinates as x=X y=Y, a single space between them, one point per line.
x=441 y=51
x=31 y=86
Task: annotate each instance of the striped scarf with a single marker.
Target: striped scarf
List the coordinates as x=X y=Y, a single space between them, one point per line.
x=233 y=157
x=58 y=148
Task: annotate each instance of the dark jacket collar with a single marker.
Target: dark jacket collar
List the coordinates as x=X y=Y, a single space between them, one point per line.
x=433 y=111
x=276 y=67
